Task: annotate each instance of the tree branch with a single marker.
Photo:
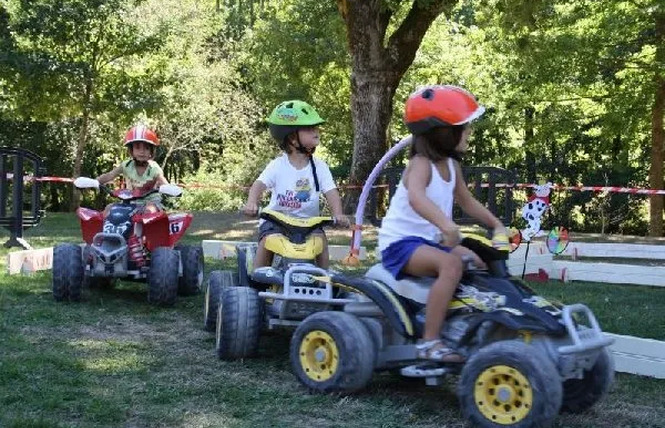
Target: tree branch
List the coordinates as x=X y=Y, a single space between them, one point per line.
x=404 y=42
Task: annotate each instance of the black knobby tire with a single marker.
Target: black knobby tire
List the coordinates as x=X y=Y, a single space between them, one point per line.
x=510 y=384
x=238 y=323
x=580 y=394
x=67 y=272
x=191 y=257
x=332 y=352
x=163 y=276
x=218 y=280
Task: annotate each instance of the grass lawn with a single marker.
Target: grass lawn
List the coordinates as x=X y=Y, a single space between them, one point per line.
x=115 y=361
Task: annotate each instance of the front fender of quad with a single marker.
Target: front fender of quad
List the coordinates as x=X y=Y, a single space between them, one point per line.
x=91 y=223
x=162 y=230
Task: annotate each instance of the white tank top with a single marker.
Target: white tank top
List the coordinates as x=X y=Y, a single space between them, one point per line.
x=402 y=221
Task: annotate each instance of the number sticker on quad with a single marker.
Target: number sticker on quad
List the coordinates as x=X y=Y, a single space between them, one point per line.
x=175 y=227
x=112 y=228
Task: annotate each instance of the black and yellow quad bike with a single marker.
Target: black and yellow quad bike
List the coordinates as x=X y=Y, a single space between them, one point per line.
x=526 y=358
x=238 y=305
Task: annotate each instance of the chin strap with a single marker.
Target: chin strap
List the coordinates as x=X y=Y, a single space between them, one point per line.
x=140 y=163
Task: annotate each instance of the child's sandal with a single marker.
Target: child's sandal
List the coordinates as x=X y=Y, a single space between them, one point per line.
x=435 y=350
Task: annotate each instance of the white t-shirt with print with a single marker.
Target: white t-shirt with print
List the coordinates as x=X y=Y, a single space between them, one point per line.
x=293 y=191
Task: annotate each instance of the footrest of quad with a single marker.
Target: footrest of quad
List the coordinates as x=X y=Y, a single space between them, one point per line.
x=425 y=370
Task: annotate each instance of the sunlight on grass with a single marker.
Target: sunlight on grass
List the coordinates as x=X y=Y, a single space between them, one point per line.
x=117 y=365
x=113 y=357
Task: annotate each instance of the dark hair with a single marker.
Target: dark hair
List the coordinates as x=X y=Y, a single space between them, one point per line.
x=285 y=143
x=438 y=143
x=292 y=136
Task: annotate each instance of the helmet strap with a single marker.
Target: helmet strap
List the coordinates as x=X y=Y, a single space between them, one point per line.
x=309 y=152
x=302 y=149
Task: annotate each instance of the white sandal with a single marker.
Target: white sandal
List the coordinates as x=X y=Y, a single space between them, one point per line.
x=435 y=350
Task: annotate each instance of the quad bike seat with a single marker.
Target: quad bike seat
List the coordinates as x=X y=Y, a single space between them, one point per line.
x=411 y=288
x=296 y=240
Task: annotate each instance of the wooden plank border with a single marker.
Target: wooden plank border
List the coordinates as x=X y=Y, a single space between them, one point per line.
x=639 y=356
x=615 y=250
x=223 y=249
x=28 y=261
x=609 y=272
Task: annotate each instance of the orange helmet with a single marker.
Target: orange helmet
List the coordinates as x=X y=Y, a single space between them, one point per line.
x=141 y=133
x=440 y=105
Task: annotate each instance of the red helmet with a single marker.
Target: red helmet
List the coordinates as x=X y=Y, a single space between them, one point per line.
x=141 y=133
x=440 y=105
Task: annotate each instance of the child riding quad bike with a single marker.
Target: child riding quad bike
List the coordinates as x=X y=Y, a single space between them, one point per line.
x=272 y=296
x=129 y=244
x=526 y=358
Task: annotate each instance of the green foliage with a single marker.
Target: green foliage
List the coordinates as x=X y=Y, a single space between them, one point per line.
x=209 y=192
x=298 y=51
x=69 y=48
x=568 y=87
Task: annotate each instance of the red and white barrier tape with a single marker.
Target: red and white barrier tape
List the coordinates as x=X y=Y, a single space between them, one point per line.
x=599 y=189
x=29 y=178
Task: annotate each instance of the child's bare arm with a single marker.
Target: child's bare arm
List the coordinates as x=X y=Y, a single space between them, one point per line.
x=335 y=202
x=255 y=192
x=160 y=179
x=110 y=176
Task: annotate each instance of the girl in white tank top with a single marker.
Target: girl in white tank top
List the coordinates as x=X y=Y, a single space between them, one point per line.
x=418 y=236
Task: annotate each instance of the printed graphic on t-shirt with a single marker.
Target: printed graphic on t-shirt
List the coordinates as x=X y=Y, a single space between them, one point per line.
x=140 y=187
x=293 y=199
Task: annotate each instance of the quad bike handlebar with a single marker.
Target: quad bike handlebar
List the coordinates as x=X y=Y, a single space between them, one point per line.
x=124 y=194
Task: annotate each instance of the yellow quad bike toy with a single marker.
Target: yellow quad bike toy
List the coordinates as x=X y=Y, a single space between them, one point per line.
x=238 y=305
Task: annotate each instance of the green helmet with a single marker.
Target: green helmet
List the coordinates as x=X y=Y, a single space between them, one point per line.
x=290 y=116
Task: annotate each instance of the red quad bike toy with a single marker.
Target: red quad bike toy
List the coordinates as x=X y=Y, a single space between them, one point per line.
x=129 y=245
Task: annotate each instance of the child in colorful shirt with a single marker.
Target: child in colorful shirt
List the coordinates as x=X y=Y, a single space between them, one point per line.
x=296 y=178
x=141 y=173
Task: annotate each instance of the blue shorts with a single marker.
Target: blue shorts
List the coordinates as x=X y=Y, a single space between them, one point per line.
x=399 y=252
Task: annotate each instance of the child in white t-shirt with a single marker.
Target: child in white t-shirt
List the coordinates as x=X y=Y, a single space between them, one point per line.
x=296 y=178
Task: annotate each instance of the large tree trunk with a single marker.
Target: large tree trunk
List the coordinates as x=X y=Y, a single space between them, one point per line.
x=657 y=132
x=81 y=143
x=372 y=105
x=378 y=64
x=656 y=171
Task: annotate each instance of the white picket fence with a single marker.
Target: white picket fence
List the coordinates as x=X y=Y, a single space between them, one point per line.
x=539 y=259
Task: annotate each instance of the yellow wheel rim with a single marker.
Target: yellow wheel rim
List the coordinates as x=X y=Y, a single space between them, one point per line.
x=503 y=395
x=319 y=356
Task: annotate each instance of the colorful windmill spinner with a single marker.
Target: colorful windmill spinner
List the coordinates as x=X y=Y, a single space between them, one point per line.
x=557 y=240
